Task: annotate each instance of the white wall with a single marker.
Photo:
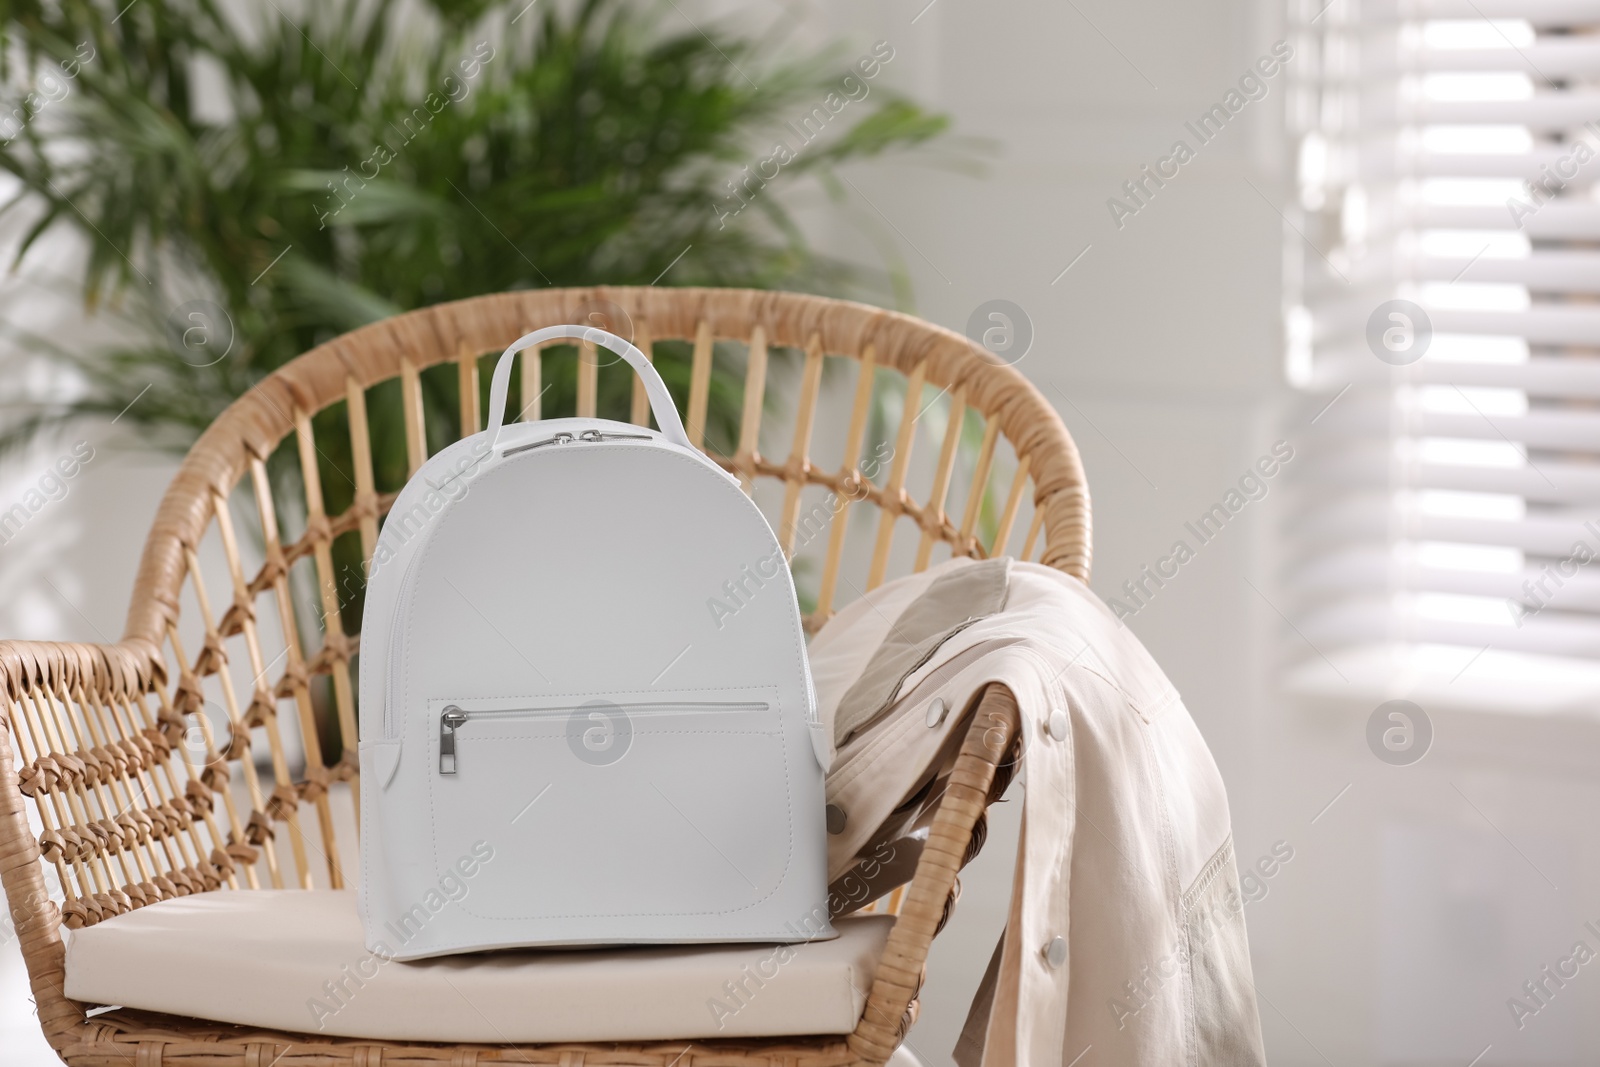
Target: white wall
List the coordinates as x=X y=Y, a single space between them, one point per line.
x=1426 y=895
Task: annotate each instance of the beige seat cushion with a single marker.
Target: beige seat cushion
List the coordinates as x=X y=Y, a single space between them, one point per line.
x=294 y=960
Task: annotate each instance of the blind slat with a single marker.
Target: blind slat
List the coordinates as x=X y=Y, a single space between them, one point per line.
x=1549 y=634
x=1540 y=324
x=1370 y=467
x=1359 y=523
x=1362 y=576
x=1542 y=111
x=1387 y=59
x=1523 y=166
x=1547 y=272
x=1561 y=430
x=1541 y=376
x=1556 y=220
x=1385 y=13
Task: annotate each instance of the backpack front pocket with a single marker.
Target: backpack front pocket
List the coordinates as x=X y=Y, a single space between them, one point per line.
x=677 y=805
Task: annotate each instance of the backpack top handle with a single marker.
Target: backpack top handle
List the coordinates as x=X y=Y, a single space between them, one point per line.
x=666 y=411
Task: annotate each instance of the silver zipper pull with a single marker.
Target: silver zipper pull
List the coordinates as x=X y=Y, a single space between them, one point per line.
x=601 y=435
x=562 y=438
x=448 y=721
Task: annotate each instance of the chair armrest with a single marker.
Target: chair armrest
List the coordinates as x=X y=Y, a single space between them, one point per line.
x=883 y=1023
x=40 y=683
x=38 y=670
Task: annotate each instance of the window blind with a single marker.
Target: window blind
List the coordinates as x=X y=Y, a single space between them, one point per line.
x=1444 y=321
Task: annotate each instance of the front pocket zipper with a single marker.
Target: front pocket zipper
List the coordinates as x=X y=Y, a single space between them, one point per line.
x=586 y=435
x=454 y=717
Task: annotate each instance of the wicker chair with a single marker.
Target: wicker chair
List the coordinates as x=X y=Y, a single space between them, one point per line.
x=135 y=797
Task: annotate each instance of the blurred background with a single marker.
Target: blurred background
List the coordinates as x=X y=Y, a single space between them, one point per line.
x=1374 y=252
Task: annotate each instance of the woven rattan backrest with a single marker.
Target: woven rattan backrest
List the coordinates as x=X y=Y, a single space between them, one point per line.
x=212 y=762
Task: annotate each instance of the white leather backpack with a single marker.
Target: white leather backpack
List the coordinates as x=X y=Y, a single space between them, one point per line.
x=586 y=712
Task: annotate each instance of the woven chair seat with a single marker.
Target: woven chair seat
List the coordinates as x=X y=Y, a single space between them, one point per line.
x=149 y=803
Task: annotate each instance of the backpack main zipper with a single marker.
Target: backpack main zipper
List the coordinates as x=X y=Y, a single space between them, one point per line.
x=565 y=438
x=453 y=717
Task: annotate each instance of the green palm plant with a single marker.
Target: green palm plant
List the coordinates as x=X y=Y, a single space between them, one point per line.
x=304 y=174
x=250 y=181
x=295 y=170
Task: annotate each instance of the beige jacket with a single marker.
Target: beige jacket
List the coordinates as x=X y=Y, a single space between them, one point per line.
x=1126 y=930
